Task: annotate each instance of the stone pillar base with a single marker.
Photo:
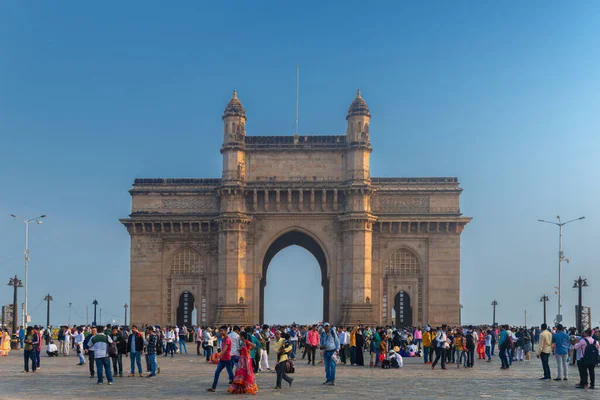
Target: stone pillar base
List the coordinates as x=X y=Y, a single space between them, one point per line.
x=352 y=314
x=232 y=314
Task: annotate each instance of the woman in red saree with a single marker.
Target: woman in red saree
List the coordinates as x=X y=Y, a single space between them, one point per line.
x=481 y=345
x=243 y=381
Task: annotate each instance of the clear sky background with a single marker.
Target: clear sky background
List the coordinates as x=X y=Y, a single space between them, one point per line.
x=503 y=95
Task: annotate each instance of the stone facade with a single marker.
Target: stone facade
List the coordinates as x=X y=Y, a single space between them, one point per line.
x=374 y=238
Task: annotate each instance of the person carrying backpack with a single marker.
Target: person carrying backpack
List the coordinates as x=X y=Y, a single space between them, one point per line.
x=587 y=358
x=470 y=345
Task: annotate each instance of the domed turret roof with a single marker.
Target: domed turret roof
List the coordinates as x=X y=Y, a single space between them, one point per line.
x=358 y=107
x=234 y=107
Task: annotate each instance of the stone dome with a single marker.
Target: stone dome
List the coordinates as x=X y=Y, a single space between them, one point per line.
x=234 y=108
x=358 y=107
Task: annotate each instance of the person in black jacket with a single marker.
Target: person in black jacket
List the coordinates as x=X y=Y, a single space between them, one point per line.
x=135 y=348
x=89 y=352
x=117 y=361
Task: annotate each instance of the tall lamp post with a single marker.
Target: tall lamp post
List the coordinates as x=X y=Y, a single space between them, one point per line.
x=579 y=284
x=27 y=221
x=460 y=315
x=126 y=307
x=494 y=304
x=95 y=303
x=15 y=283
x=561 y=258
x=544 y=300
x=48 y=298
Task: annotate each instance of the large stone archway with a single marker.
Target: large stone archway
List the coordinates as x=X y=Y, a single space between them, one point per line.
x=304 y=240
x=313 y=191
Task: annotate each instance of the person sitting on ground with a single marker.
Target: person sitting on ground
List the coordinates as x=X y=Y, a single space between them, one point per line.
x=395 y=358
x=52 y=350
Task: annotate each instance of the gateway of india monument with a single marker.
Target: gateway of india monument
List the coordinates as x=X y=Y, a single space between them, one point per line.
x=388 y=248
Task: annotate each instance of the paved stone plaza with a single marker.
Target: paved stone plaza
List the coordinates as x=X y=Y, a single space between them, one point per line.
x=188 y=376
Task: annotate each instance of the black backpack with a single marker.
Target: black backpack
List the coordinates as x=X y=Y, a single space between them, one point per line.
x=159 y=345
x=113 y=351
x=470 y=342
x=590 y=357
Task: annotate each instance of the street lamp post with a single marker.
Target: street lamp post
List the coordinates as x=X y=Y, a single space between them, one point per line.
x=48 y=298
x=580 y=284
x=70 y=315
x=126 y=307
x=95 y=303
x=460 y=315
x=544 y=300
x=27 y=221
x=15 y=283
x=494 y=304
x=561 y=258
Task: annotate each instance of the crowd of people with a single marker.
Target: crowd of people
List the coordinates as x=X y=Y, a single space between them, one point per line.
x=244 y=351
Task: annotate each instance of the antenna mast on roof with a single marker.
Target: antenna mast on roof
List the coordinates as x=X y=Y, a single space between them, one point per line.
x=297 y=81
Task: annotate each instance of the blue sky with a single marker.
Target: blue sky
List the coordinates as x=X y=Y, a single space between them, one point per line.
x=504 y=96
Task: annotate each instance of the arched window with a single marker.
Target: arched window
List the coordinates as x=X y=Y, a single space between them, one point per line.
x=403 y=262
x=186 y=262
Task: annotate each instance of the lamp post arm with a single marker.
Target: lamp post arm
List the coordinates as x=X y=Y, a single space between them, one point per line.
x=573 y=220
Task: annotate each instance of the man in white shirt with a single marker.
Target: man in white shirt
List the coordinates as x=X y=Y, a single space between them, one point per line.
x=344 y=338
x=512 y=353
x=170 y=338
x=52 y=350
x=198 y=337
x=66 y=344
x=79 y=338
x=234 y=335
x=176 y=339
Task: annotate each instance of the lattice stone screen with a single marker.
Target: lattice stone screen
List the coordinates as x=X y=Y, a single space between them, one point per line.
x=403 y=262
x=186 y=262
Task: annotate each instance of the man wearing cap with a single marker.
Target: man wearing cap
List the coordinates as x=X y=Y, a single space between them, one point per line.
x=330 y=344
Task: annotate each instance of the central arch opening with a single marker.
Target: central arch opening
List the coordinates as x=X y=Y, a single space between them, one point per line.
x=300 y=239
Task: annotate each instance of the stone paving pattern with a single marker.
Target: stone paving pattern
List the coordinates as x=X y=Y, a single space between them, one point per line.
x=188 y=376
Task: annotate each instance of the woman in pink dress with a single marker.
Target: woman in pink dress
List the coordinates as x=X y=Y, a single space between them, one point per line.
x=243 y=381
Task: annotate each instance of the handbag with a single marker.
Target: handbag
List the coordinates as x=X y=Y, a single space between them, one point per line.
x=290 y=367
x=113 y=351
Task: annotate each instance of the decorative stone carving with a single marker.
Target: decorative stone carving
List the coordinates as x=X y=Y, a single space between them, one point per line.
x=402 y=204
x=204 y=203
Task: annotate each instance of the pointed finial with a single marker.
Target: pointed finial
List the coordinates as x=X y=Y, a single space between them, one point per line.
x=234 y=94
x=358 y=92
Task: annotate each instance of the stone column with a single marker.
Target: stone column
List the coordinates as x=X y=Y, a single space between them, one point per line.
x=233 y=224
x=231 y=306
x=357 y=236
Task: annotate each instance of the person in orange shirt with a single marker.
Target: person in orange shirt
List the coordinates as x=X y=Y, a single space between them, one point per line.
x=313 y=341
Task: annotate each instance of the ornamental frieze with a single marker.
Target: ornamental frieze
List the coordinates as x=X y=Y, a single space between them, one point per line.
x=401 y=204
x=206 y=204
